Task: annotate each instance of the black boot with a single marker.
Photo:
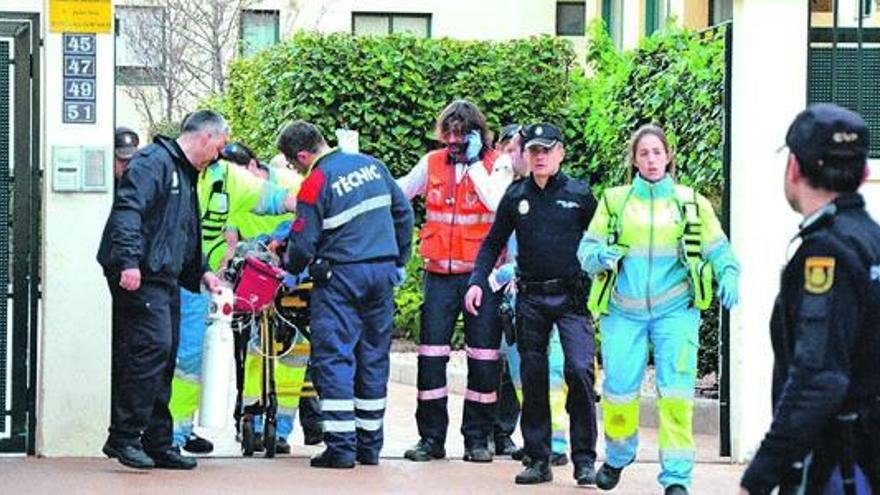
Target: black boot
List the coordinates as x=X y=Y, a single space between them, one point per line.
x=676 y=490
x=198 y=445
x=477 y=454
x=505 y=446
x=129 y=455
x=585 y=474
x=536 y=472
x=608 y=477
x=519 y=454
x=424 y=451
x=558 y=459
x=170 y=458
x=325 y=460
x=367 y=459
x=282 y=447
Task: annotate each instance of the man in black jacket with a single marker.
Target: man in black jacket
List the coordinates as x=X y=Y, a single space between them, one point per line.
x=149 y=246
x=825 y=327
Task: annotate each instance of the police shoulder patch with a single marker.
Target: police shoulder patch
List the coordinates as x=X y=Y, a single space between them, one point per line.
x=818 y=274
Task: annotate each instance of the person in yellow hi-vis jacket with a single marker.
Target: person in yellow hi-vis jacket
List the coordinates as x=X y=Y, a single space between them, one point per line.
x=225 y=190
x=654 y=250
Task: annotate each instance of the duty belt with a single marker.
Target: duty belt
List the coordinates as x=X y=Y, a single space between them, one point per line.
x=550 y=287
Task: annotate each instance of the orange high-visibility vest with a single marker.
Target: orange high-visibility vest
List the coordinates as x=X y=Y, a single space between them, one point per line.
x=456 y=221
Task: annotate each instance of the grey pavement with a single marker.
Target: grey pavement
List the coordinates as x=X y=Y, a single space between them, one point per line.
x=226 y=472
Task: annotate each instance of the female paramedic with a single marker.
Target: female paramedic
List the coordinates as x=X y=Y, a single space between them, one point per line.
x=654 y=249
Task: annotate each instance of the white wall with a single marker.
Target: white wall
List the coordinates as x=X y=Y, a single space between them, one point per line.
x=74 y=386
x=769 y=70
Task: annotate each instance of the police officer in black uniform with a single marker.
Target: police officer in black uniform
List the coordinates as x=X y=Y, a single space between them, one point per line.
x=549 y=213
x=825 y=326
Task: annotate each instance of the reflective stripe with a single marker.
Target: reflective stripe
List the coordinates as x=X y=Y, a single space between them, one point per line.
x=459 y=219
x=714 y=245
x=620 y=399
x=337 y=405
x=482 y=354
x=369 y=404
x=338 y=426
x=290 y=411
x=644 y=252
x=187 y=377
x=368 y=424
x=436 y=393
x=449 y=266
x=361 y=208
x=640 y=304
x=677 y=454
x=480 y=397
x=434 y=350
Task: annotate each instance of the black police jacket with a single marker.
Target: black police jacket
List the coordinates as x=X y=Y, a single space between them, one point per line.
x=549 y=225
x=154 y=223
x=825 y=330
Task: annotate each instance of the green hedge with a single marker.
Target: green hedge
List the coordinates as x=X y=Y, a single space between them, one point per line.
x=391 y=88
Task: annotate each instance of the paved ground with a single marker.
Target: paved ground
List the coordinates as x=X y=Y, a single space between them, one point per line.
x=229 y=473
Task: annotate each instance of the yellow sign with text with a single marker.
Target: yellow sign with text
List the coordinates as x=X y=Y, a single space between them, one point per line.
x=80 y=16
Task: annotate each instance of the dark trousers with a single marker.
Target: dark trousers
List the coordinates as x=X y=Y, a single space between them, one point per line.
x=310 y=412
x=535 y=316
x=146 y=332
x=507 y=410
x=352 y=318
x=443 y=302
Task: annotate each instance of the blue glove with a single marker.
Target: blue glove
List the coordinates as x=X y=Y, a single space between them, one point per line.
x=505 y=274
x=474 y=145
x=728 y=288
x=400 y=277
x=610 y=256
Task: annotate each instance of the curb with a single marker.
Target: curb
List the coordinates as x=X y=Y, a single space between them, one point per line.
x=404 y=371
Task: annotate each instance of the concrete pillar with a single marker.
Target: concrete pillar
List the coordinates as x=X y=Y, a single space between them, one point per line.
x=769 y=74
x=74 y=363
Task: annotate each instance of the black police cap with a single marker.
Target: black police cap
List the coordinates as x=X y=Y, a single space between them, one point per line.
x=544 y=135
x=125 y=143
x=825 y=134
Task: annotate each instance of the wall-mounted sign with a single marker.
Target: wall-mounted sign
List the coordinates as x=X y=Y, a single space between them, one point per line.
x=79 y=105
x=80 y=16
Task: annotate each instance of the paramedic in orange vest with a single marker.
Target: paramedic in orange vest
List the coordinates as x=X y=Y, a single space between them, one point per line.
x=462 y=184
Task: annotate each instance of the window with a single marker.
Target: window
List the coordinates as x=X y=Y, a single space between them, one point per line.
x=612 y=14
x=720 y=11
x=364 y=23
x=258 y=29
x=571 y=18
x=140 y=38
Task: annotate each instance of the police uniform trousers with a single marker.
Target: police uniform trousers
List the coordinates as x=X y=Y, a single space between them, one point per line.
x=535 y=316
x=352 y=316
x=146 y=331
x=443 y=302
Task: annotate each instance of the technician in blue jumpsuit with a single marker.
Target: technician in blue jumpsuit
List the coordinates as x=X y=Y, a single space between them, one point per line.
x=825 y=328
x=353 y=229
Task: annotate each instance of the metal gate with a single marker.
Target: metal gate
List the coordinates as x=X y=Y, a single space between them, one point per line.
x=19 y=227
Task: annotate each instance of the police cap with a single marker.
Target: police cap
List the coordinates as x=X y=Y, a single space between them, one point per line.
x=544 y=135
x=825 y=135
x=126 y=143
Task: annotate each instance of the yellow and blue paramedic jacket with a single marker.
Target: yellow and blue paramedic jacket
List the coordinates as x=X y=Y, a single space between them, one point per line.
x=648 y=221
x=227 y=191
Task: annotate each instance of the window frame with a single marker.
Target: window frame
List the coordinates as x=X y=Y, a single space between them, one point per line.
x=138 y=75
x=579 y=3
x=429 y=17
x=241 y=15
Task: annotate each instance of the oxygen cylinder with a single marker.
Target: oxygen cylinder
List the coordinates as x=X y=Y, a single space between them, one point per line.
x=217 y=362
